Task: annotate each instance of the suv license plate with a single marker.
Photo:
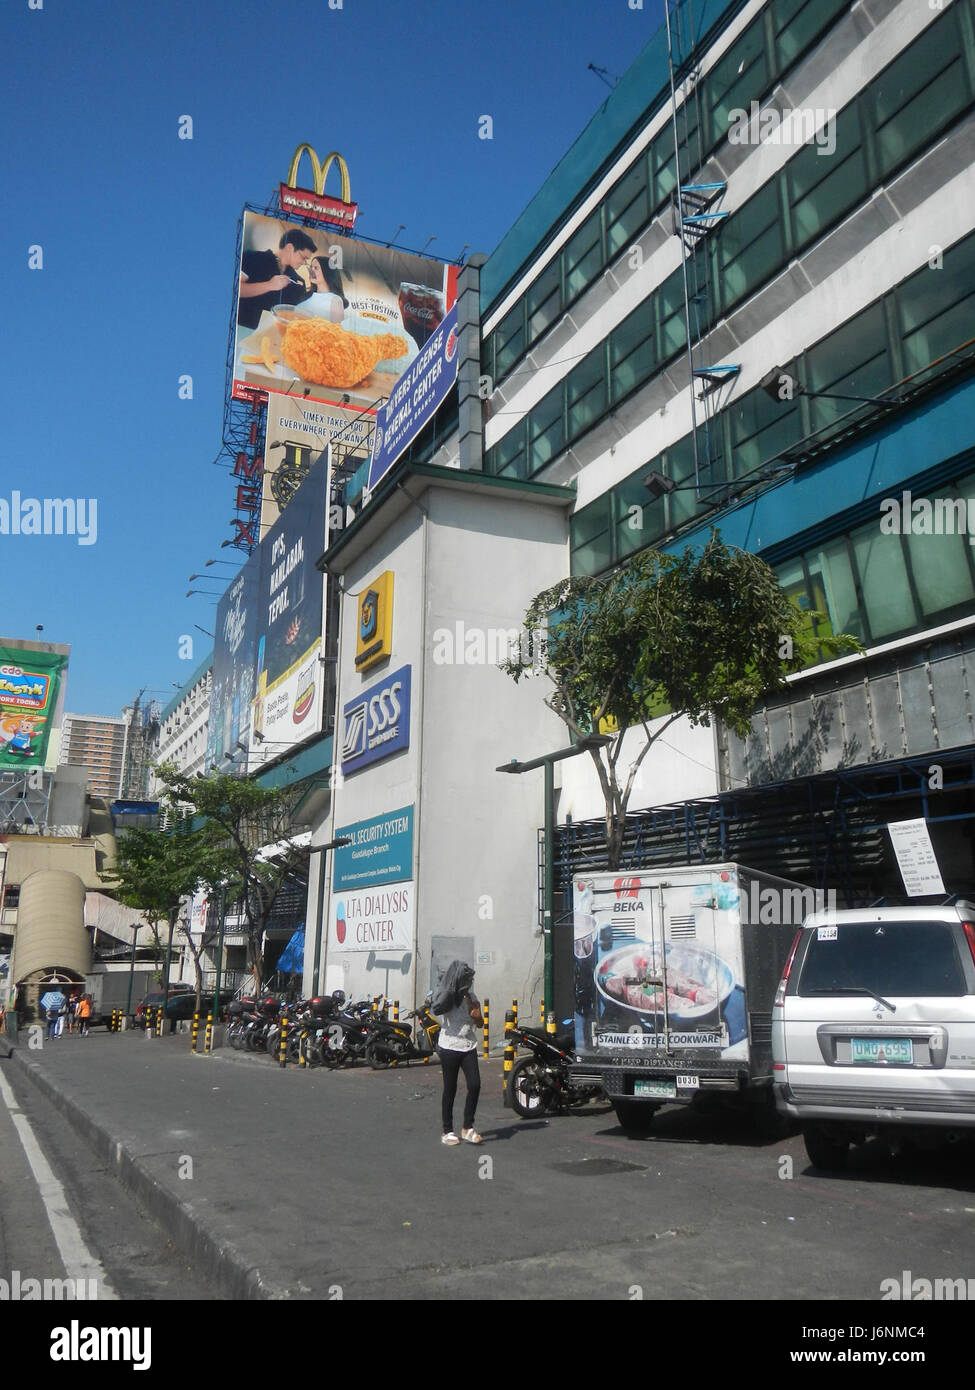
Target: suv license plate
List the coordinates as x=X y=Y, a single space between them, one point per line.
x=665 y=1089
x=881 y=1050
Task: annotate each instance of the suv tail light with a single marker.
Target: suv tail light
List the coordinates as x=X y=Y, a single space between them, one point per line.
x=779 y=1000
x=969 y=930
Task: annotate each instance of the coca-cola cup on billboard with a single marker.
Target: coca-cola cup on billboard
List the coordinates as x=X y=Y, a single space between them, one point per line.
x=422 y=310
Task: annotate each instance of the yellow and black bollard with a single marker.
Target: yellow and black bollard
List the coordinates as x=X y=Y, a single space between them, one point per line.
x=283 y=1044
x=148 y=1026
x=541 y=1012
x=550 y=1023
x=303 y=1048
x=509 y=1053
x=514 y=1010
x=194 y=1031
x=160 y=1016
x=208 y=1036
x=396 y=1011
x=486 y=1010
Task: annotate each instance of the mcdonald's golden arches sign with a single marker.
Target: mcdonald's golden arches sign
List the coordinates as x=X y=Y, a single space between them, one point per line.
x=316 y=203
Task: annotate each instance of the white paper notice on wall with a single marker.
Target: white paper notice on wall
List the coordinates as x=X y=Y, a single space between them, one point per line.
x=916 y=858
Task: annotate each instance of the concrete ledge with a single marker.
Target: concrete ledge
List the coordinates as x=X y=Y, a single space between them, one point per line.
x=219 y=1259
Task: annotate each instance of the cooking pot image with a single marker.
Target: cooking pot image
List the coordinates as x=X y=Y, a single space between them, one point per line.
x=698 y=981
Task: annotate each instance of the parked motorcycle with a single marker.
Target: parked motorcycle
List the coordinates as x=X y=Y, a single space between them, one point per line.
x=405 y=1041
x=542 y=1082
x=345 y=1035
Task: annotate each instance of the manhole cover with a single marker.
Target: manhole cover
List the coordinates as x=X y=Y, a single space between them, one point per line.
x=597 y=1167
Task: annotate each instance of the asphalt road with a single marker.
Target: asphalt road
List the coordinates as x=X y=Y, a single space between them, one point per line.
x=327 y=1185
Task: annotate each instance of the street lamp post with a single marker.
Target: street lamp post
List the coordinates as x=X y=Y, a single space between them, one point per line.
x=320 y=910
x=548 y=761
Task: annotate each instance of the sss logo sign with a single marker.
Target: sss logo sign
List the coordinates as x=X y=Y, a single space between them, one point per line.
x=377 y=722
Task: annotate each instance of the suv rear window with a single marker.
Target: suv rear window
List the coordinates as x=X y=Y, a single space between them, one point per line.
x=906 y=959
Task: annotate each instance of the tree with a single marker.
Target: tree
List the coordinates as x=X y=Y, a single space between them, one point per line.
x=237 y=821
x=154 y=871
x=662 y=638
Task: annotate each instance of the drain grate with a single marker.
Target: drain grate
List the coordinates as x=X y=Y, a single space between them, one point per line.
x=597 y=1167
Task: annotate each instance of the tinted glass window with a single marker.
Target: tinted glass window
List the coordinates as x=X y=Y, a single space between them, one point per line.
x=895 y=959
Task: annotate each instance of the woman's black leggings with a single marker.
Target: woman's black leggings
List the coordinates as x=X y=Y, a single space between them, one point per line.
x=451 y=1063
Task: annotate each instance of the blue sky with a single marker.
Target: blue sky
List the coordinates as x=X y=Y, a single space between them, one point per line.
x=137 y=231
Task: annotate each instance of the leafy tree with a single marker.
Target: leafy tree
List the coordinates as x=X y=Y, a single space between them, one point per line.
x=662 y=638
x=154 y=871
x=235 y=820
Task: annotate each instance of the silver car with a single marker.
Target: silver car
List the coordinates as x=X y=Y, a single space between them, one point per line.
x=873 y=1027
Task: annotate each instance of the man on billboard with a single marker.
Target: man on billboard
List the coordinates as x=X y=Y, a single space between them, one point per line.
x=268 y=277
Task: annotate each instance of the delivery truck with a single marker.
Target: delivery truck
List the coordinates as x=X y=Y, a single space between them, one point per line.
x=675 y=970
x=109 y=989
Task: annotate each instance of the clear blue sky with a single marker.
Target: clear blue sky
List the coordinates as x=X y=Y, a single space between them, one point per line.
x=137 y=229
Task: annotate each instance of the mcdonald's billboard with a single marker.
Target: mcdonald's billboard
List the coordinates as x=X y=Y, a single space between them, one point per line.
x=318 y=204
x=329 y=318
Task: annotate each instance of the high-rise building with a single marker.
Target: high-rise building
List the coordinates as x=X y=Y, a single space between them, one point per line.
x=98 y=743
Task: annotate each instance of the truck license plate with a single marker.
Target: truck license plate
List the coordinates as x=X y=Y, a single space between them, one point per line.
x=882 y=1050
x=688 y=1083
x=666 y=1090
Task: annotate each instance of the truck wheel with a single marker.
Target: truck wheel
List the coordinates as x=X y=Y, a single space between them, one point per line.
x=634 y=1116
x=826 y=1149
x=529 y=1089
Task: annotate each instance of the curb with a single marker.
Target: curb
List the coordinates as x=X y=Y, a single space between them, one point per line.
x=217 y=1259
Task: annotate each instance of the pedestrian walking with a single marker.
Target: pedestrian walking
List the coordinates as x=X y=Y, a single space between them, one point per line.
x=72 y=1014
x=52 y=1003
x=460 y=1010
x=84 y=1014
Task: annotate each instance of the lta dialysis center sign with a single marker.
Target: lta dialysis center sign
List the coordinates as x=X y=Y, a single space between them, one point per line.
x=376 y=919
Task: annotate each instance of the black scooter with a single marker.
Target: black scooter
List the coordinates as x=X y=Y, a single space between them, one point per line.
x=542 y=1082
x=389 y=1042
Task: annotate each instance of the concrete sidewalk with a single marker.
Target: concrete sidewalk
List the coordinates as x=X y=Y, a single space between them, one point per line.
x=281 y=1183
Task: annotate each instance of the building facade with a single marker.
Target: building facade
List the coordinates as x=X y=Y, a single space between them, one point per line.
x=752 y=277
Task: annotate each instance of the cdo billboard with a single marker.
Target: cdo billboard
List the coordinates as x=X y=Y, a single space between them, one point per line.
x=330 y=318
x=32 y=678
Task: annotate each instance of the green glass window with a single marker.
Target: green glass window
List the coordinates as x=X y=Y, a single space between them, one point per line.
x=586 y=392
x=627 y=208
x=919 y=93
x=750 y=246
x=882 y=570
x=737 y=78
x=508 y=457
x=795 y=23
x=509 y=339
x=761 y=428
x=664 y=180
x=940 y=563
x=678 y=464
x=669 y=308
x=544 y=300
x=853 y=361
x=639 y=518
x=590 y=535
x=822 y=185
x=936 y=307
x=546 y=428
x=583 y=256
x=831 y=576
x=632 y=359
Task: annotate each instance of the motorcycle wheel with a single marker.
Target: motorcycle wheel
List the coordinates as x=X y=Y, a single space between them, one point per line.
x=378 y=1057
x=529 y=1088
x=332 y=1057
x=250 y=1041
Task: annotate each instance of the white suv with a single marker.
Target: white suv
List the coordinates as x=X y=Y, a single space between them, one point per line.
x=873 y=1027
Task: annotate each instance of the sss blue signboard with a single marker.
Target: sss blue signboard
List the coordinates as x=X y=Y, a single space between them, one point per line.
x=415 y=398
x=377 y=722
x=380 y=851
